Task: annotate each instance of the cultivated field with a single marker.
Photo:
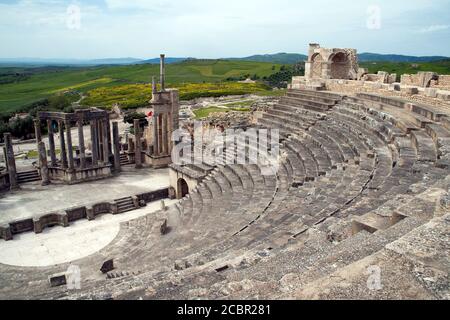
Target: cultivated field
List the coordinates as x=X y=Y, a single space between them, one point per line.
x=22 y=86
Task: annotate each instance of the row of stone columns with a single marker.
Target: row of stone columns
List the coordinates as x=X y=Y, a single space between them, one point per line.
x=162 y=126
x=100 y=141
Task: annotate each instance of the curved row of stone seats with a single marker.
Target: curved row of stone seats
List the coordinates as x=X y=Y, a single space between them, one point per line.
x=425 y=147
x=321 y=156
x=299 y=111
x=246 y=223
x=261 y=188
x=312 y=100
x=323 y=188
x=352 y=146
x=387 y=180
x=285 y=127
x=398 y=181
x=289 y=116
x=324 y=96
x=312 y=256
x=415 y=109
x=306 y=104
x=298 y=169
x=381 y=126
x=270 y=223
x=431 y=142
x=314 y=250
x=138 y=228
x=244 y=201
x=272 y=230
x=333 y=150
x=307 y=159
x=402 y=118
x=441 y=138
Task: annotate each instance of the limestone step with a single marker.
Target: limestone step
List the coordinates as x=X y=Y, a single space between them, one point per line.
x=28 y=176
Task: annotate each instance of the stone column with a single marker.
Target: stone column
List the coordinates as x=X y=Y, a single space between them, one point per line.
x=138 y=145
x=162 y=73
x=108 y=123
x=81 y=144
x=165 y=145
x=69 y=145
x=154 y=87
x=116 y=139
x=170 y=131
x=104 y=125
x=43 y=164
x=326 y=70
x=51 y=143
x=155 y=135
x=160 y=141
x=11 y=161
x=5 y=154
x=94 y=143
x=130 y=145
x=99 y=141
x=37 y=131
x=62 y=145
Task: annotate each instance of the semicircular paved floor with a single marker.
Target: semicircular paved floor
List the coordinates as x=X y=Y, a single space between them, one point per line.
x=60 y=245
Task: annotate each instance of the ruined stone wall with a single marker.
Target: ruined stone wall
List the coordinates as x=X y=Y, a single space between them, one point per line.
x=410 y=79
x=443 y=82
x=331 y=63
x=421 y=79
x=316 y=67
x=349 y=87
x=381 y=77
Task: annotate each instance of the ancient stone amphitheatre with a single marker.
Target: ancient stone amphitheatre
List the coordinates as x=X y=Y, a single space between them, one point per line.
x=358 y=208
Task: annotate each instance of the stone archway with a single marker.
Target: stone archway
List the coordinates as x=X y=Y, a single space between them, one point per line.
x=183 y=188
x=340 y=66
x=316 y=66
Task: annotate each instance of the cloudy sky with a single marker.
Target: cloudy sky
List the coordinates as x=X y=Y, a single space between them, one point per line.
x=219 y=28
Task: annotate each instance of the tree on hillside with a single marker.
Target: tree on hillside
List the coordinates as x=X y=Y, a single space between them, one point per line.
x=21 y=127
x=130 y=117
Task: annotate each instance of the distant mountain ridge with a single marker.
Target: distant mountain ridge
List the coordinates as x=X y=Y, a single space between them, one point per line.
x=281 y=58
x=277 y=58
x=292 y=58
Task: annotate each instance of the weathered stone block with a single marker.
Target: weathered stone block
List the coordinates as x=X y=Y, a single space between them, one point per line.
x=107 y=266
x=410 y=90
x=58 y=280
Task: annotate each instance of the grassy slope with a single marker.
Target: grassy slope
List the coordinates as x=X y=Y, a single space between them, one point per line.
x=41 y=83
x=46 y=83
x=138 y=95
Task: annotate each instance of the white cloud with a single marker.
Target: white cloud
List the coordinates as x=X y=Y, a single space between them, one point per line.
x=434 y=28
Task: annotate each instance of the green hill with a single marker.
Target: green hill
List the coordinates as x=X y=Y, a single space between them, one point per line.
x=20 y=87
x=440 y=67
x=280 y=58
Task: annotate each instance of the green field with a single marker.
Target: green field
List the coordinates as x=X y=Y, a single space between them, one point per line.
x=128 y=85
x=137 y=95
x=21 y=86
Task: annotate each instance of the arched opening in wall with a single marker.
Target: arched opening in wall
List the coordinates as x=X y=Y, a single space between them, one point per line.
x=183 y=188
x=431 y=78
x=316 y=66
x=340 y=66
